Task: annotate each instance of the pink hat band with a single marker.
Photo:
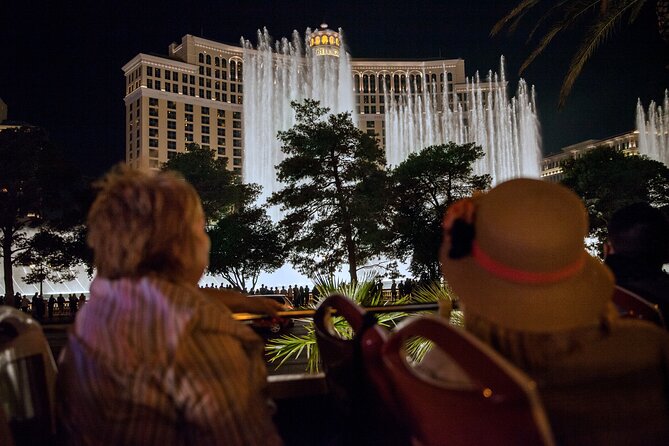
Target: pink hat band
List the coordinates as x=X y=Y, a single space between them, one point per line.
x=511 y=274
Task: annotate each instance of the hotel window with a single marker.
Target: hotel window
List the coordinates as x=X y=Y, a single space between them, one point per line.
x=191 y=91
x=372 y=84
x=171 y=105
x=204 y=110
x=208 y=83
x=188 y=107
x=153 y=153
x=220 y=113
x=371 y=132
x=153 y=122
x=365 y=83
x=153 y=133
x=236 y=152
x=149 y=71
x=233 y=88
x=153 y=142
x=217 y=74
x=205 y=129
x=157 y=85
x=220 y=132
x=236 y=133
x=188 y=117
x=236 y=115
x=220 y=141
x=217 y=61
x=184 y=78
x=201 y=81
x=168 y=74
x=153 y=102
x=233 y=70
x=208 y=94
x=205 y=139
x=217 y=95
x=184 y=89
x=356 y=83
x=191 y=80
x=149 y=83
x=221 y=150
x=153 y=111
x=208 y=59
x=167 y=86
x=157 y=72
x=237 y=161
x=175 y=76
x=204 y=119
x=171 y=153
x=171 y=125
x=224 y=97
x=236 y=143
x=224 y=86
x=366 y=109
x=171 y=114
x=206 y=147
x=236 y=124
x=188 y=127
x=382 y=109
x=224 y=75
x=171 y=134
x=224 y=63
x=220 y=122
x=239 y=71
x=208 y=71
x=370 y=124
x=189 y=137
x=201 y=92
x=201 y=70
x=200 y=58
x=233 y=98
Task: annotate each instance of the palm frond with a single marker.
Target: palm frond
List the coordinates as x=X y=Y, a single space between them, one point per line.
x=289 y=346
x=575 y=11
x=519 y=10
x=595 y=36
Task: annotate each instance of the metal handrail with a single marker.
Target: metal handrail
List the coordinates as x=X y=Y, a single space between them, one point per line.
x=301 y=313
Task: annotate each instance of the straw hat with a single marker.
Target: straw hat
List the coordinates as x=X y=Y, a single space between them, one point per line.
x=526 y=267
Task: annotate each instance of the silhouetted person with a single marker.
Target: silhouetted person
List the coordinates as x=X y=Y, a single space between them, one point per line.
x=393 y=290
x=61 y=304
x=72 y=300
x=49 y=306
x=637 y=248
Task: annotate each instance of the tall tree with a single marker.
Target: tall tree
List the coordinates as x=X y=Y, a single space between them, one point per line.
x=49 y=255
x=219 y=188
x=423 y=186
x=334 y=191
x=244 y=241
x=607 y=179
x=38 y=188
x=603 y=17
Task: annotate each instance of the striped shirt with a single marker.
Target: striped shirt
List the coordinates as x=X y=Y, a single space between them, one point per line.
x=151 y=362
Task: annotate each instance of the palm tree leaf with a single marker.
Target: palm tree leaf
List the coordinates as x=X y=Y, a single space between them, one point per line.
x=595 y=36
x=574 y=12
x=520 y=9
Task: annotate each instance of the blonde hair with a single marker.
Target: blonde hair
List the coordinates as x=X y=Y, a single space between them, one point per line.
x=141 y=224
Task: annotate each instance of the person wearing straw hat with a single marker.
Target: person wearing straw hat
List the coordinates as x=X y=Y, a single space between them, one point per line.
x=516 y=258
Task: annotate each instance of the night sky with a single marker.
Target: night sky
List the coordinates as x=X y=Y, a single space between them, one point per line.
x=61 y=61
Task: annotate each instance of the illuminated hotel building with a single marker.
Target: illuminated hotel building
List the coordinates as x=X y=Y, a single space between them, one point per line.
x=196 y=94
x=551 y=166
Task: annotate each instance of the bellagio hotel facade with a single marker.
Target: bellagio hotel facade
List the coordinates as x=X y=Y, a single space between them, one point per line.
x=196 y=93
